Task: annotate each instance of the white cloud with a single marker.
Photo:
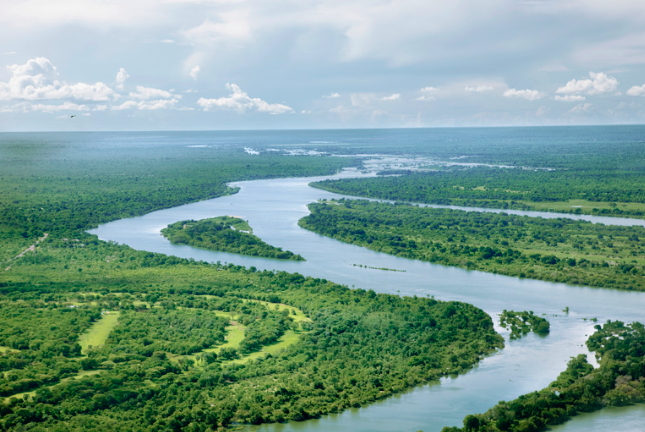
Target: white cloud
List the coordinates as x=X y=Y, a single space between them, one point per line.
x=241 y=102
x=427 y=94
x=569 y=98
x=38 y=79
x=637 y=91
x=194 y=72
x=145 y=93
x=479 y=89
x=392 y=97
x=9 y=53
x=332 y=95
x=121 y=77
x=597 y=84
x=146 y=105
x=580 y=108
x=527 y=94
x=305 y=112
x=67 y=106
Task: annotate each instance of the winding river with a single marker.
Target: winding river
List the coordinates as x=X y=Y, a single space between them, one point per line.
x=273 y=208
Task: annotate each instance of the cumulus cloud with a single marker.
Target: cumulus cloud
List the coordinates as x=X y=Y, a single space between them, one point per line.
x=580 y=108
x=146 y=93
x=427 y=94
x=392 y=97
x=38 y=80
x=597 y=83
x=121 y=76
x=194 y=72
x=527 y=94
x=479 y=88
x=241 y=102
x=569 y=98
x=332 y=95
x=637 y=91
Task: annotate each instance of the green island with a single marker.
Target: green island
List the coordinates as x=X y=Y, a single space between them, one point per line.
x=522 y=323
x=619 y=381
x=224 y=234
x=556 y=250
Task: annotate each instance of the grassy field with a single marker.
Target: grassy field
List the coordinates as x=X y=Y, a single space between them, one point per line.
x=99 y=332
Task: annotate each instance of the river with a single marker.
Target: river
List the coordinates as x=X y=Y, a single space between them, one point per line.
x=273 y=208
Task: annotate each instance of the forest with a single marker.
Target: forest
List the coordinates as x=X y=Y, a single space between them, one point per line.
x=224 y=234
x=556 y=250
x=610 y=192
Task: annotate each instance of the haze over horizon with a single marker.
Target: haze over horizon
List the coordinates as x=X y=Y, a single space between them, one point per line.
x=247 y=64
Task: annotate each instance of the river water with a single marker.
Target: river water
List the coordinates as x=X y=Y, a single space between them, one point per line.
x=273 y=208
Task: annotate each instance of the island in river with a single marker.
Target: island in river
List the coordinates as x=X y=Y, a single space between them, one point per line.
x=224 y=234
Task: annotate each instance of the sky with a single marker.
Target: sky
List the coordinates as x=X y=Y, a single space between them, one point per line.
x=292 y=64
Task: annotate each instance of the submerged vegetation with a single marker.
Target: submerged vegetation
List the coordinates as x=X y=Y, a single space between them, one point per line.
x=557 y=250
x=224 y=234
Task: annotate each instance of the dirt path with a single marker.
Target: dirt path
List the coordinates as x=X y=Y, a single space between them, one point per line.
x=30 y=248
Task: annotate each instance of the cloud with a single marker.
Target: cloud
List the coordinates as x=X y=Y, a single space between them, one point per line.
x=38 y=79
x=479 y=89
x=427 y=94
x=145 y=93
x=362 y=99
x=241 y=102
x=580 y=108
x=569 y=98
x=194 y=72
x=9 y=53
x=527 y=94
x=637 y=91
x=67 y=106
x=332 y=95
x=146 y=105
x=392 y=97
x=121 y=77
x=597 y=84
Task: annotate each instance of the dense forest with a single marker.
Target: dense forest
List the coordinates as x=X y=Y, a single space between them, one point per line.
x=154 y=370
x=557 y=250
x=618 y=381
x=224 y=234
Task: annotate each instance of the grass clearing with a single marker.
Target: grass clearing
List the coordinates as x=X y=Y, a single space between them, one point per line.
x=96 y=335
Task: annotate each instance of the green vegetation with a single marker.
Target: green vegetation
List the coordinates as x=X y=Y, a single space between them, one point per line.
x=580 y=388
x=97 y=335
x=356 y=347
x=186 y=345
x=557 y=250
x=521 y=323
x=224 y=234
x=595 y=190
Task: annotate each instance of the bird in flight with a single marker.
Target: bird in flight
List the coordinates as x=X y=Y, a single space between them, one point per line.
x=72 y=116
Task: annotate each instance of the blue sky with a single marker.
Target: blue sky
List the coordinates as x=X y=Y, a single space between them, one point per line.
x=265 y=64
